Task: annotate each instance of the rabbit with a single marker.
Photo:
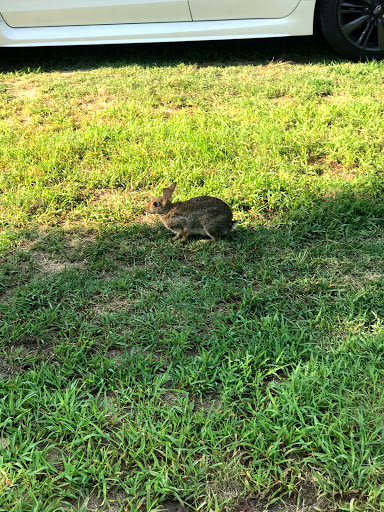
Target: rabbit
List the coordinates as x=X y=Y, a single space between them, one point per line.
x=203 y=215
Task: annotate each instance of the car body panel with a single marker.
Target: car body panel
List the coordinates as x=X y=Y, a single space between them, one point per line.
x=240 y=9
x=53 y=13
x=299 y=22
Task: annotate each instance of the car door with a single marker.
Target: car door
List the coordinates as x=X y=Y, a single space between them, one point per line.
x=240 y=9
x=49 y=13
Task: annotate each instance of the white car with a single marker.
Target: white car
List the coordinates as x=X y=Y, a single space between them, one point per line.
x=355 y=28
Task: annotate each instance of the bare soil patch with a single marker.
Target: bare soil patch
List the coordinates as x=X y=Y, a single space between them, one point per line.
x=22 y=89
x=225 y=488
x=49 y=265
x=6 y=370
x=338 y=98
x=286 y=505
x=173 y=506
x=76 y=241
x=54 y=456
x=282 y=101
x=118 y=356
x=7 y=293
x=108 y=403
x=4 y=443
x=306 y=501
x=114 y=502
x=338 y=170
x=113 y=306
x=331 y=169
x=98 y=102
x=208 y=404
x=171 y=398
x=26 y=351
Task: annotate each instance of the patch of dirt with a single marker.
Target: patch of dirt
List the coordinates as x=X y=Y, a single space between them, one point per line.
x=114 y=412
x=114 y=502
x=114 y=306
x=31 y=344
x=284 y=100
x=225 y=489
x=22 y=89
x=207 y=405
x=4 y=443
x=337 y=170
x=331 y=169
x=338 y=98
x=306 y=501
x=172 y=398
x=357 y=280
x=27 y=350
x=192 y=352
x=27 y=244
x=118 y=356
x=108 y=404
x=169 y=111
x=54 y=456
x=232 y=491
x=74 y=241
x=109 y=198
x=6 y=370
x=287 y=505
x=22 y=354
x=96 y=105
x=100 y=102
x=159 y=355
x=7 y=293
x=244 y=508
x=49 y=265
x=173 y=506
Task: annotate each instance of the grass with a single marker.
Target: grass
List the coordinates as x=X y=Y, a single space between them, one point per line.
x=139 y=373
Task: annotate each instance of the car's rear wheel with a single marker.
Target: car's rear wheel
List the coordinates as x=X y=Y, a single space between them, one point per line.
x=354 y=28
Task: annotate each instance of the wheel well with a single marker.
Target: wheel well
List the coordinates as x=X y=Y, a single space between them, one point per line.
x=317 y=32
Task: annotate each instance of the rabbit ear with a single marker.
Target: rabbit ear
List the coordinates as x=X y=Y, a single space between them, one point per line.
x=167 y=192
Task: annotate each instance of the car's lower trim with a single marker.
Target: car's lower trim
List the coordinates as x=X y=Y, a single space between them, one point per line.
x=300 y=22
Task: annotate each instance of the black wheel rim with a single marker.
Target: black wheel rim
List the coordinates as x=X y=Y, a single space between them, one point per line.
x=362 y=23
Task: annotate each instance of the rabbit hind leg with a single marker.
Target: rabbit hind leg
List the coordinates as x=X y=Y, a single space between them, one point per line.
x=213 y=237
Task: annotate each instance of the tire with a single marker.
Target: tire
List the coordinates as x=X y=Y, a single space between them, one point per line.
x=354 y=28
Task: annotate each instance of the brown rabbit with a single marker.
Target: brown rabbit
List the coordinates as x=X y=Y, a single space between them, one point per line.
x=203 y=215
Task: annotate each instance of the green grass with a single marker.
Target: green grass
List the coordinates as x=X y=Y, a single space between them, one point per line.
x=140 y=372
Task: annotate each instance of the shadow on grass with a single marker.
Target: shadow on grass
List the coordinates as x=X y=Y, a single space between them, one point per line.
x=276 y=324
x=296 y=50
x=328 y=258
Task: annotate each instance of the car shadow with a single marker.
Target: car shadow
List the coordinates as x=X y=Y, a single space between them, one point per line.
x=295 y=50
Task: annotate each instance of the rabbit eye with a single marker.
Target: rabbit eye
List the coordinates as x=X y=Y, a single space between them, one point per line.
x=155 y=204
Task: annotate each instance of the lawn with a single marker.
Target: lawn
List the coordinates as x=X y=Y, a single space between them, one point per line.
x=139 y=373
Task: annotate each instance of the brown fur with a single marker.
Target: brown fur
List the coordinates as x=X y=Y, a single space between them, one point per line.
x=203 y=215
